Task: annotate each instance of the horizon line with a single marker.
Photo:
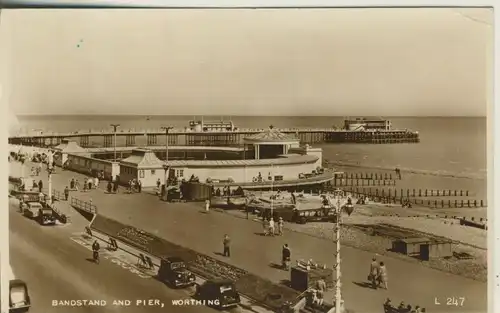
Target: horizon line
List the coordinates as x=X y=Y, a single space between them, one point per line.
x=251 y=115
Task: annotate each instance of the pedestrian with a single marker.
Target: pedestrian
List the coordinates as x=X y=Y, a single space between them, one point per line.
x=89 y=183
x=77 y=185
x=158 y=183
x=265 y=225
x=72 y=184
x=139 y=185
x=66 y=193
x=372 y=276
x=35 y=185
x=115 y=186
x=207 y=205
x=382 y=275
x=40 y=185
x=286 y=255
x=280 y=226
x=226 y=242
x=321 y=288
x=85 y=187
x=271 y=226
x=109 y=187
x=96 y=182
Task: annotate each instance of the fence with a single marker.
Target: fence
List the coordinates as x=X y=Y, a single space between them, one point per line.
x=83 y=205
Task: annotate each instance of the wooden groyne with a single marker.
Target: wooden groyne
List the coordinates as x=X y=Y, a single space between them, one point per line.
x=386 y=197
x=152 y=137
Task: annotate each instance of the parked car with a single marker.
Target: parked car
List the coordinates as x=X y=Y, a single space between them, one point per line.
x=19 y=298
x=32 y=209
x=173 y=271
x=46 y=216
x=218 y=293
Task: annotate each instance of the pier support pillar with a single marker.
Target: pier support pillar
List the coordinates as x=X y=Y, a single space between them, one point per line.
x=108 y=141
x=84 y=141
x=152 y=140
x=130 y=140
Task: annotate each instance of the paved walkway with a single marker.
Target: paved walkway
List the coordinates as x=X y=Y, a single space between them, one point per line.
x=186 y=225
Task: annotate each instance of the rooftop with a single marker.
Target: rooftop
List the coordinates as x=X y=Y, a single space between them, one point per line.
x=271 y=135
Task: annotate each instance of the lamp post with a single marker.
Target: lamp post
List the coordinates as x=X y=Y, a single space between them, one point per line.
x=341 y=202
x=50 y=170
x=115 y=126
x=272 y=196
x=166 y=129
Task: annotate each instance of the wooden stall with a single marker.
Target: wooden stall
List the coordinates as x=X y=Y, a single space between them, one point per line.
x=301 y=279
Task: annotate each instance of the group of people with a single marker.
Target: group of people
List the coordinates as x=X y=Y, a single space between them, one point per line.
x=135 y=185
x=36 y=170
x=90 y=183
x=401 y=308
x=38 y=185
x=270 y=226
x=315 y=296
x=378 y=274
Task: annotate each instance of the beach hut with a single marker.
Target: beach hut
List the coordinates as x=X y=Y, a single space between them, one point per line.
x=142 y=165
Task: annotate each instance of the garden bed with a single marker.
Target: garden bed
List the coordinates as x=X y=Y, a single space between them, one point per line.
x=254 y=287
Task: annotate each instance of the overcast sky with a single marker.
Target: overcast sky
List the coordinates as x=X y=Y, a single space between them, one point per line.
x=379 y=62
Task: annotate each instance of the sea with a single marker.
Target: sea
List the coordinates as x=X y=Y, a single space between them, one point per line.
x=450 y=147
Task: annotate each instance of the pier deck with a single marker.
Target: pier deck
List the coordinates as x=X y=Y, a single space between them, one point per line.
x=151 y=137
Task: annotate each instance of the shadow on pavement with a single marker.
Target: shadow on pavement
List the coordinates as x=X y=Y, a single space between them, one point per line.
x=363 y=284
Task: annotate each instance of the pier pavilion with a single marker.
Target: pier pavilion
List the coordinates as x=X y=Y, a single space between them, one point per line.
x=271 y=143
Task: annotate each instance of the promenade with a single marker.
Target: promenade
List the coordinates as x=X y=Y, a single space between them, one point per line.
x=187 y=225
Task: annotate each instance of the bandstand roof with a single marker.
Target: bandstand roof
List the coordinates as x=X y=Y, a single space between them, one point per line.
x=271 y=136
x=143 y=158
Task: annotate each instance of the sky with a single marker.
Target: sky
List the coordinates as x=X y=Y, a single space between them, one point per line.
x=339 y=62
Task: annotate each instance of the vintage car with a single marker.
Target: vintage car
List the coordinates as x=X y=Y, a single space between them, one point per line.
x=218 y=293
x=19 y=298
x=32 y=209
x=173 y=272
x=46 y=216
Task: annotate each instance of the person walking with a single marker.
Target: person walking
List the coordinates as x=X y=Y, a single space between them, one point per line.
x=158 y=183
x=286 y=255
x=139 y=186
x=321 y=288
x=280 y=226
x=40 y=185
x=372 y=276
x=226 y=242
x=66 y=193
x=382 y=275
x=271 y=226
x=77 y=185
x=265 y=225
x=207 y=205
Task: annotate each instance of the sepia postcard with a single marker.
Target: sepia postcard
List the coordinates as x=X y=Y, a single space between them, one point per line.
x=247 y=159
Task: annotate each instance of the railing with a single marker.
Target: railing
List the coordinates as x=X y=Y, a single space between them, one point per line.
x=58 y=195
x=83 y=205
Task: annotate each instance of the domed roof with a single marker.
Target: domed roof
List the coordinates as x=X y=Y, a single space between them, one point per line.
x=271 y=135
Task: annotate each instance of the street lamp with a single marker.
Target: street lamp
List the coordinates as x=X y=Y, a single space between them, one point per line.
x=50 y=170
x=342 y=203
x=115 y=126
x=166 y=129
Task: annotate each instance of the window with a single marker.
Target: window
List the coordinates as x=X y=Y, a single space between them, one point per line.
x=153 y=172
x=180 y=173
x=141 y=174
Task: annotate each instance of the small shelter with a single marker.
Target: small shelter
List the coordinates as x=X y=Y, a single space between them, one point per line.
x=68 y=147
x=142 y=165
x=271 y=143
x=423 y=248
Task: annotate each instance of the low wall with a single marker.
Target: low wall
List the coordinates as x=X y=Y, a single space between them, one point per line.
x=90 y=166
x=258 y=289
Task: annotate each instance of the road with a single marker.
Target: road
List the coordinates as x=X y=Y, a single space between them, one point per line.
x=56 y=268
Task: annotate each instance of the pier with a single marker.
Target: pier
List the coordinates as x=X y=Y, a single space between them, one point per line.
x=188 y=137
